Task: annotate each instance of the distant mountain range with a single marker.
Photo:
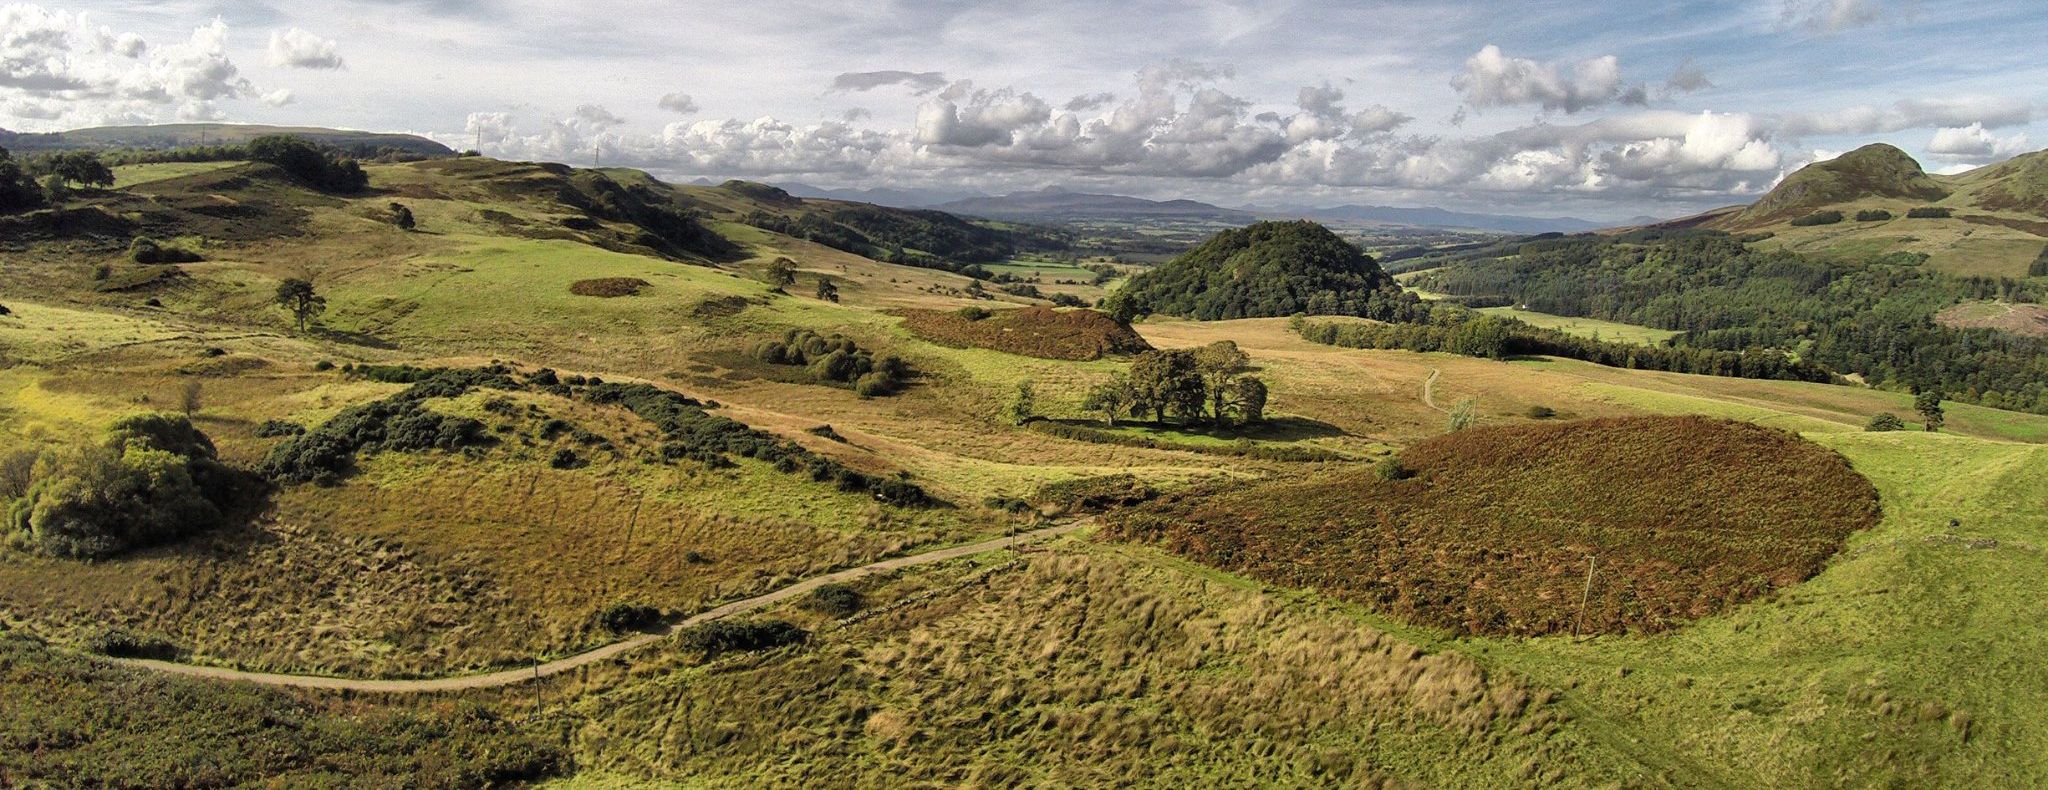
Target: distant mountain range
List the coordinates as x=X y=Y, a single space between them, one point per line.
x=881 y=196
x=1056 y=204
x=179 y=135
x=1432 y=217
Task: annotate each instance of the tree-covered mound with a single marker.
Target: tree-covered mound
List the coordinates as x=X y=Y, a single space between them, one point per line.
x=1493 y=530
x=156 y=478
x=1266 y=269
x=1031 y=331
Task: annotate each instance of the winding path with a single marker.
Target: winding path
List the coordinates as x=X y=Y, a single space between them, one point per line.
x=523 y=674
x=1429 y=391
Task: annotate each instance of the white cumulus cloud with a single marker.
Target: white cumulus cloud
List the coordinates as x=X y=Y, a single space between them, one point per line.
x=1492 y=78
x=301 y=49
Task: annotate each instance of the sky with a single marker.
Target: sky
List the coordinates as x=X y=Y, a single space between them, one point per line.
x=1595 y=109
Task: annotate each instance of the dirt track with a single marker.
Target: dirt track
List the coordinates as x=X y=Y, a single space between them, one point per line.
x=511 y=676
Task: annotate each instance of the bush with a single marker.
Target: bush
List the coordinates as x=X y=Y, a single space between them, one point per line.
x=1929 y=212
x=1884 y=421
x=323 y=366
x=1390 y=468
x=147 y=250
x=621 y=617
x=837 y=600
x=1829 y=217
x=120 y=643
x=973 y=312
x=1068 y=300
x=1873 y=215
x=396 y=424
x=836 y=359
x=4 y=311
x=1541 y=412
x=826 y=432
x=723 y=636
x=155 y=479
x=271 y=429
x=565 y=458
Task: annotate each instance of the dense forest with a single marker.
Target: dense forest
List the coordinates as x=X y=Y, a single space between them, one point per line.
x=1268 y=269
x=1873 y=318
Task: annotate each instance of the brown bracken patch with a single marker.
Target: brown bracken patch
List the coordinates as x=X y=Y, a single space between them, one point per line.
x=608 y=286
x=1031 y=331
x=1679 y=517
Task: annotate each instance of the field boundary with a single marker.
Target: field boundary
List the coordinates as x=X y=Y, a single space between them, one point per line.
x=508 y=677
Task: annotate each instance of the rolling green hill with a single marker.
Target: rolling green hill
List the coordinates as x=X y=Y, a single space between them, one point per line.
x=1266 y=269
x=183 y=135
x=1992 y=221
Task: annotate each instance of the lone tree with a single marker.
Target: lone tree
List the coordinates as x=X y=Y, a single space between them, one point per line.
x=1111 y=398
x=1025 y=405
x=1929 y=405
x=782 y=273
x=1220 y=363
x=189 y=398
x=1884 y=421
x=296 y=295
x=401 y=216
x=828 y=290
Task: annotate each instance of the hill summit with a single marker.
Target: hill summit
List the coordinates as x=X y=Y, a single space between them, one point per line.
x=1875 y=170
x=1265 y=269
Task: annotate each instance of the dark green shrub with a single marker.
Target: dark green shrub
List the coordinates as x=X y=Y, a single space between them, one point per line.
x=826 y=432
x=147 y=250
x=837 y=600
x=271 y=429
x=622 y=617
x=4 y=311
x=323 y=366
x=1873 y=215
x=120 y=643
x=974 y=313
x=1884 y=421
x=723 y=636
x=1541 y=412
x=1828 y=217
x=565 y=458
x=1391 y=468
x=1929 y=212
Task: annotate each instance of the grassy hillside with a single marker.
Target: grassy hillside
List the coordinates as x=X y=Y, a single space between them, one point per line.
x=1994 y=222
x=1906 y=659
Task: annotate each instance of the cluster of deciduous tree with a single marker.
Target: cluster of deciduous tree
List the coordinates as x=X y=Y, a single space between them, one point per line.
x=322 y=168
x=1204 y=384
x=395 y=424
x=1267 y=269
x=837 y=359
x=1929 y=212
x=18 y=190
x=155 y=478
x=1873 y=215
x=1747 y=307
x=1494 y=337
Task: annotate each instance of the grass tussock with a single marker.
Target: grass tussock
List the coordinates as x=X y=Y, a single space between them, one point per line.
x=1082 y=670
x=1031 y=331
x=1493 y=530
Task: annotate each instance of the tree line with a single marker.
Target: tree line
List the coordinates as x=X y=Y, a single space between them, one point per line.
x=1737 y=307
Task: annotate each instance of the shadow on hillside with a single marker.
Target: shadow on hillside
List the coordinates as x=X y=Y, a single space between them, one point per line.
x=363 y=339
